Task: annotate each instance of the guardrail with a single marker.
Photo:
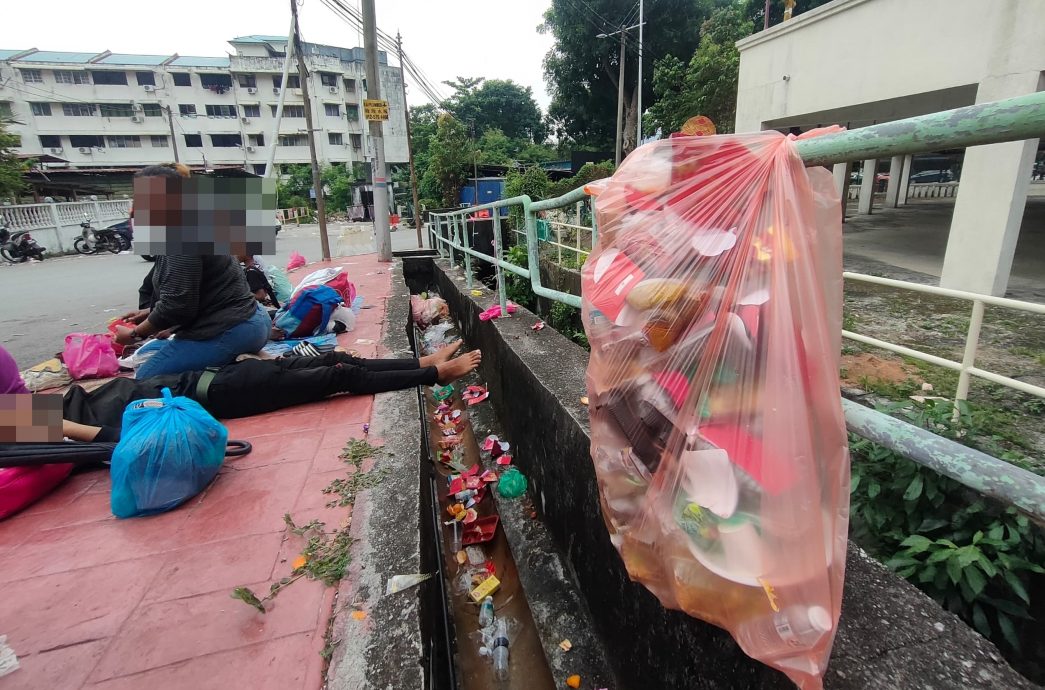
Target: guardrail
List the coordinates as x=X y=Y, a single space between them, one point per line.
x=988 y=123
x=60 y=221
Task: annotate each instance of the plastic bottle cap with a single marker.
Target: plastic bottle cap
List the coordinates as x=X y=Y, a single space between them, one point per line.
x=820 y=619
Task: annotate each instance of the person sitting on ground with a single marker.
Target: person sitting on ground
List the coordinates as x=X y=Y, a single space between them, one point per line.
x=204 y=301
x=258 y=282
x=258 y=386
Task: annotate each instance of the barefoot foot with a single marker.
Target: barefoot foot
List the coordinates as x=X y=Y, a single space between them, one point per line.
x=442 y=356
x=458 y=367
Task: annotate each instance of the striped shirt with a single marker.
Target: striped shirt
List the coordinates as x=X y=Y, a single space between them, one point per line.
x=203 y=296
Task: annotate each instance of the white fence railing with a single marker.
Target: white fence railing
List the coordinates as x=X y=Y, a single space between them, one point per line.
x=57 y=224
x=919 y=190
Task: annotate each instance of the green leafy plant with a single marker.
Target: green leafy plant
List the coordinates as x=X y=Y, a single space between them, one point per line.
x=517 y=288
x=567 y=320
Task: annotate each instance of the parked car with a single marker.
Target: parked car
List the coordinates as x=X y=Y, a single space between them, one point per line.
x=932 y=176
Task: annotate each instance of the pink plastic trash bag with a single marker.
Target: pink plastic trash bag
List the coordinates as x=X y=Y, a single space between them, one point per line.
x=89 y=356
x=712 y=304
x=20 y=487
x=296 y=261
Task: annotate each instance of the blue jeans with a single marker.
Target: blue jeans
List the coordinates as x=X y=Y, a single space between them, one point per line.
x=177 y=355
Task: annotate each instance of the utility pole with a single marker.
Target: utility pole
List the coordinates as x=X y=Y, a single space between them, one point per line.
x=174 y=140
x=270 y=158
x=638 y=127
x=317 y=180
x=373 y=92
x=410 y=145
x=620 y=90
x=765 y=17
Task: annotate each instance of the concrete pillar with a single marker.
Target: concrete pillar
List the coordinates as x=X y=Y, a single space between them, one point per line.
x=841 y=173
x=895 y=175
x=905 y=181
x=867 y=187
x=991 y=199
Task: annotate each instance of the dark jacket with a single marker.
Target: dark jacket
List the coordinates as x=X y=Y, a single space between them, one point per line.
x=203 y=296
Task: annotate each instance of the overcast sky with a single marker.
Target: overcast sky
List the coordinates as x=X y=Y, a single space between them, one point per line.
x=445 y=38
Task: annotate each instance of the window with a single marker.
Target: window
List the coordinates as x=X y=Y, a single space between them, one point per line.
x=247 y=80
x=357 y=140
x=364 y=85
x=252 y=111
x=159 y=141
x=293 y=81
x=290 y=110
x=221 y=110
x=78 y=109
x=71 y=77
x=293 y=140
x=194 y=141
x=145 y=78
x=259 y=168
x=352 y=112
x=216 y=82
x=335 y=138
x=124 y=141
x=41 y=108
x=51 y=141
x=115 y=109
x=86 y=140
x=182 y=79
x=256 y=139
x=350 y=84
x=225 y=141
x=110 y=78
x=187 y=109
x=328 y=79
x=5 y=109
x=152 y=110
x=332 y=109
x=32 y=76
x=277 y=81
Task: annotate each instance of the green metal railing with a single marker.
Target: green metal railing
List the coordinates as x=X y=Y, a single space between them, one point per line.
x=988 y=123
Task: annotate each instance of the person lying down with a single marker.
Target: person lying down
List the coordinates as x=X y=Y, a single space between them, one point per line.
x=257 y=386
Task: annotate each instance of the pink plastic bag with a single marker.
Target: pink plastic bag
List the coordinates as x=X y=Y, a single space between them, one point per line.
x=89 y=356
x=20 y=487
x=296 y=261
x=494 y=312
x=712 y=305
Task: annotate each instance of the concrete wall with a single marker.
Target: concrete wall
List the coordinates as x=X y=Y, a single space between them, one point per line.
x=852 y=52
x=890 y=636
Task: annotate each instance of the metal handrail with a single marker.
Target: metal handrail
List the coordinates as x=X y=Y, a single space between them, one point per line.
x=987 y=123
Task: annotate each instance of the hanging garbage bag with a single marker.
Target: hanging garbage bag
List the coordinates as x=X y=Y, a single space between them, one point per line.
x=170 y=450
x=712 y=305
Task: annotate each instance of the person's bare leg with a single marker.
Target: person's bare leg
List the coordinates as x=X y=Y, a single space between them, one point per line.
x=442 y=356
x=450 y=371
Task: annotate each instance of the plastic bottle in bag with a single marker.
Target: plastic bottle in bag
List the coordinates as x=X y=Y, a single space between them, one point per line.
x=782 y=633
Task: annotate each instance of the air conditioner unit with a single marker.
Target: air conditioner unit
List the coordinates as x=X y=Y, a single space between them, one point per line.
x=87 y=150
x=252 y=89
x=137 y=118
x=333 y=89
x=149 y=87
x=245 y=119
x=250 y=149
x=57 y=150
x=297 y=92
x=275 y=90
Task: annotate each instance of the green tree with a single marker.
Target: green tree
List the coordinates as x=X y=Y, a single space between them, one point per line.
x=582 y=71
x=495 y=148
x=294 y=185
x=422 y=128
x=708 y=84
x=12 y=168
x=588 y=173
x=498 y=104
x=338 y=181
x=532 y=182
x=450 y=158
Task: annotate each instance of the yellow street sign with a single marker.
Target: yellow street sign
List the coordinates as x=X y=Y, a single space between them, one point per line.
x=375 y=110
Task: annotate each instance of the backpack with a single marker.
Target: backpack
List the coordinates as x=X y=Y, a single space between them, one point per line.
x=308 y=311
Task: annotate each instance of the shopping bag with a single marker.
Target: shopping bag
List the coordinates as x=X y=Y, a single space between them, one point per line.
x=296 y=261
x=89 y=355
x=711 y=302
x=170 y=449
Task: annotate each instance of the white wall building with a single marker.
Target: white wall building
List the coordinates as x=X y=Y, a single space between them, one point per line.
x=861 y=62
x=110 y=111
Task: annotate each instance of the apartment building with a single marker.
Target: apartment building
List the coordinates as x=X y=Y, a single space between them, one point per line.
x=121 y=111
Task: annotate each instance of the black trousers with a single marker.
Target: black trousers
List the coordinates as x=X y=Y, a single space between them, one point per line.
x=257 y=386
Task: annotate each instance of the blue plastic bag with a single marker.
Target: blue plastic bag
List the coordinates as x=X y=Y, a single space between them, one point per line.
x=170 y=450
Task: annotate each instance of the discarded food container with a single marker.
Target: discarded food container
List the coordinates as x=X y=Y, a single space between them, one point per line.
x=485 y=589
x=480 y=531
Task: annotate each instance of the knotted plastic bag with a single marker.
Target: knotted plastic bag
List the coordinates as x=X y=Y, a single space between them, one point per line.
x=712 y=302
x=170 y=449
x=89 y=356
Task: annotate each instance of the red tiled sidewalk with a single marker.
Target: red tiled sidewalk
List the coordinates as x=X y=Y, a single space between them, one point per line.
x=90 y=601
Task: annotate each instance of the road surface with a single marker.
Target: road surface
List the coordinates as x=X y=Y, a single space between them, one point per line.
x=44 y=301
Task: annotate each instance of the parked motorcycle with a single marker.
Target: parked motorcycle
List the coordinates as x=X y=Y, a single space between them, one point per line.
x=19 y=246
x=93 y=241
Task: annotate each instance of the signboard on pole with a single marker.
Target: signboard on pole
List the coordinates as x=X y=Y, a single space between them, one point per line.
x=374 y=110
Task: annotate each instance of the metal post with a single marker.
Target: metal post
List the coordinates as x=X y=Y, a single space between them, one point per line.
x=317 y=178
x=620 y=102
x=174 y=140
x=410 y=145
x=972 y=344
x=274 y=140
x=467 y=244
x=558 y=243
x=502 y=295
x=373 y=92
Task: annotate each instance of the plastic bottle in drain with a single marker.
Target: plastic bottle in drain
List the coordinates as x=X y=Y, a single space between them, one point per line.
x=786 y=632
x=500 y=651
x=486 y=614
